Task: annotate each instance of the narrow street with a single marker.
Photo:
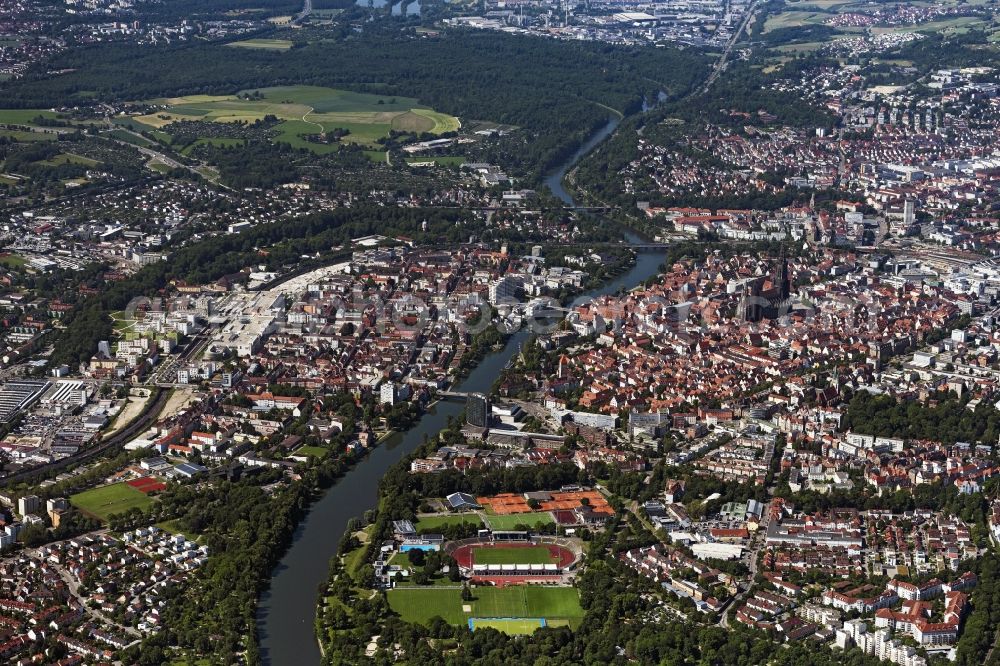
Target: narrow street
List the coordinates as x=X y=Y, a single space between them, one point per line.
x=74 y=589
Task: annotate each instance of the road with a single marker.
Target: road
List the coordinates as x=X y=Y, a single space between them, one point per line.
x=754 y=556
x=307 y=8
x=157 y=155
x=720 y=66
x=166 y=372
x=74 y=589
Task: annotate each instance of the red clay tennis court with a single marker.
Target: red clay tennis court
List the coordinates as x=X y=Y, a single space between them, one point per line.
x=505 y=504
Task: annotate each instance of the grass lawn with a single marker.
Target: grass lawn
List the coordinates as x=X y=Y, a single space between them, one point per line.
x=128 y=137
x=507 y=625
x=269 y=44
x=24 y=136
x=956 y=24
x=218 y=142
x=553 y=603
x=308 y=110
x=804 y=47
x=354 y=559
x=400 y=560
x=442 y=160
x=528 y=555
x=161 y=136
x=293 y=133
x=793 y=19
x=134 y=124
x=12 y=260
x=512 y=521
x=106 y=500
x=435 y=523
x=159 y=166
x=69 y=158
x=820 y=4
x=317 y=451
x=172 y=527
x=23 y=116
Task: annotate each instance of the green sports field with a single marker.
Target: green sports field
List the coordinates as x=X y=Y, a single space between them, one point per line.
x=260 y=43
x=527 y=555
x=507 y=625
x=306 y=110
x=510 y=522
x=558 y=605
x=430 y=524
x=107 y=500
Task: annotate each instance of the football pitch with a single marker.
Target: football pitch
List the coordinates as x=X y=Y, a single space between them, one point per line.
x=558 y=606
x=500 y=555
x=108 y=500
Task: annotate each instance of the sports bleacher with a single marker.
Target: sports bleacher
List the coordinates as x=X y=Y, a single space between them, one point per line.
x=509 y=535
x=515 y=570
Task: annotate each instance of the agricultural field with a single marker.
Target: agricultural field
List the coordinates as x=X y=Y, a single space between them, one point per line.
x=793 y=19
x=431 y=524
x=558 y=605
x=69 y=158
x=25 y=136
x=218 y=142
x=260 y=43
x=129 y=137
x=306 y=110
x=107 y=500
x=24 y=116
x=440 y=160
x=801 y=13
x=527 y=555
x=511 y=521
x=948 y=26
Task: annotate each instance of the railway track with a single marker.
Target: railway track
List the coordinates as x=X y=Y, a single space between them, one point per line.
x=120 y=438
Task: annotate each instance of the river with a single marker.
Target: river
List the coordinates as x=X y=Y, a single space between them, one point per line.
x=286 y=611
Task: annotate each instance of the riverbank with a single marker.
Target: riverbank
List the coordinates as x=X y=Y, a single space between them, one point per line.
x=287 y=609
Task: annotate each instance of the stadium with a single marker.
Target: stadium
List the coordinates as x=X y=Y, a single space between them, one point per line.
x=512 y=558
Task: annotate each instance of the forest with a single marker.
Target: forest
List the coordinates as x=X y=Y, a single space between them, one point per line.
x=947 y=420
x=558 y=91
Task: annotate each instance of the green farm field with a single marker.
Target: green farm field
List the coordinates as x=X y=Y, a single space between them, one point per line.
x=26 y=136
x=307 y=110
x=23 y=116
x=69 y=158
